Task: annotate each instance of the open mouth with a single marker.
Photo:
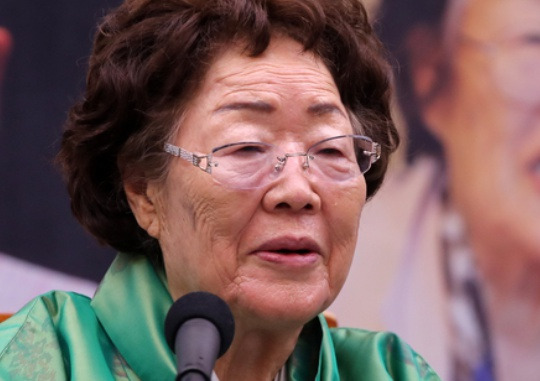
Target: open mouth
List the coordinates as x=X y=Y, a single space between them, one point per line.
x=290 y=245
x=289 y=250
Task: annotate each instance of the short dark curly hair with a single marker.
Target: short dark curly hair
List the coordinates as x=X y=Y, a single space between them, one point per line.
x=149 y=56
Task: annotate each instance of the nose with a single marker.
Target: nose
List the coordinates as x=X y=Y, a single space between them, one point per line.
x=293 y=191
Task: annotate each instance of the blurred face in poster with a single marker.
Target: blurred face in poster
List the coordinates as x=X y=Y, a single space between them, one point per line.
x=487 y=115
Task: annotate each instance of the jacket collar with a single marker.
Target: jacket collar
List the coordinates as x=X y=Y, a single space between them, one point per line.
x=131 y=304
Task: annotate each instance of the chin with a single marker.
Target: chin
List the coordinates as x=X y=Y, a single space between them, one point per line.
x=283 y=306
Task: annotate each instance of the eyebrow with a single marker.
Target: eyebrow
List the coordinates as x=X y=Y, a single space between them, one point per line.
x=317 y=109
x=260 y=106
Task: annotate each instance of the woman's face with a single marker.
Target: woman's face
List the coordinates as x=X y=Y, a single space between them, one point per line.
x=279 y=253
x=489 y=122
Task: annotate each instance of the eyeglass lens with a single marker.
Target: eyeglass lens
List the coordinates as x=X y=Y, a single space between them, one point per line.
x=255 y=164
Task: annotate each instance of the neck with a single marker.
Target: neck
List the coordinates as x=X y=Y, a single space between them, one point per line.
x=256 y=355
x=510 y=276
x=514 y=320
x=513 y=302
x=511 y=284
x=506 y=259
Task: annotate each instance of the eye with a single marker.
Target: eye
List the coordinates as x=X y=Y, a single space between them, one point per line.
x=329 y=152
x=243 y=150
x=333 y=149
x=248 y=150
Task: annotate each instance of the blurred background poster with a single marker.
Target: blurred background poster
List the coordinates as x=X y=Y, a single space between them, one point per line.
x=448 y=254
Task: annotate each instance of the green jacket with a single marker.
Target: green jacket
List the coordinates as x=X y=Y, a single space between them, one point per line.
x=118 y=335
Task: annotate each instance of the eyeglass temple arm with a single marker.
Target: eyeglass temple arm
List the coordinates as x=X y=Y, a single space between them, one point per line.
x=196 y=160
x=375 y=153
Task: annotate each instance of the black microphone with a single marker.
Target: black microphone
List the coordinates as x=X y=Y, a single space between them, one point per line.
x=199 y=328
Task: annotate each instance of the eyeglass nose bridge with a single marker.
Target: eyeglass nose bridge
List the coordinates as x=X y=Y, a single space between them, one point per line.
x=282 y=160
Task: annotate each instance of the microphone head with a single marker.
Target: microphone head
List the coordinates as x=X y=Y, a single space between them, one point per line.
x=202 y=305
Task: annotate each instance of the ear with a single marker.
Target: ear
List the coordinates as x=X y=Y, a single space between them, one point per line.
x=428 y=62
x=142 y=198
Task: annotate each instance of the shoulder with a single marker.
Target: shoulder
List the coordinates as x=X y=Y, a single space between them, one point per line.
x=380 y=354
x=45 y=311
x=53 y=336
x=42 y=317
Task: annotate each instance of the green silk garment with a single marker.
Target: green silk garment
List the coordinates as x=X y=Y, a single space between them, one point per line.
x=118 y=335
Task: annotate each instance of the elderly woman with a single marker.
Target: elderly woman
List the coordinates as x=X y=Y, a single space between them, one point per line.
x=225 y=146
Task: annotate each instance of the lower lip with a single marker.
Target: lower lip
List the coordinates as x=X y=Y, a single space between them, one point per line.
x=290 y=259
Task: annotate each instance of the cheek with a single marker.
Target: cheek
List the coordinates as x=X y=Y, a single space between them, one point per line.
x=343 y=213
x=202 y=226
x=220 y=220
x=196 y=209
x=343 y=219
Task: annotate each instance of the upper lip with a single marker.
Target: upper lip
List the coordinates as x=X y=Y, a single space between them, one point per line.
x=290 y=244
